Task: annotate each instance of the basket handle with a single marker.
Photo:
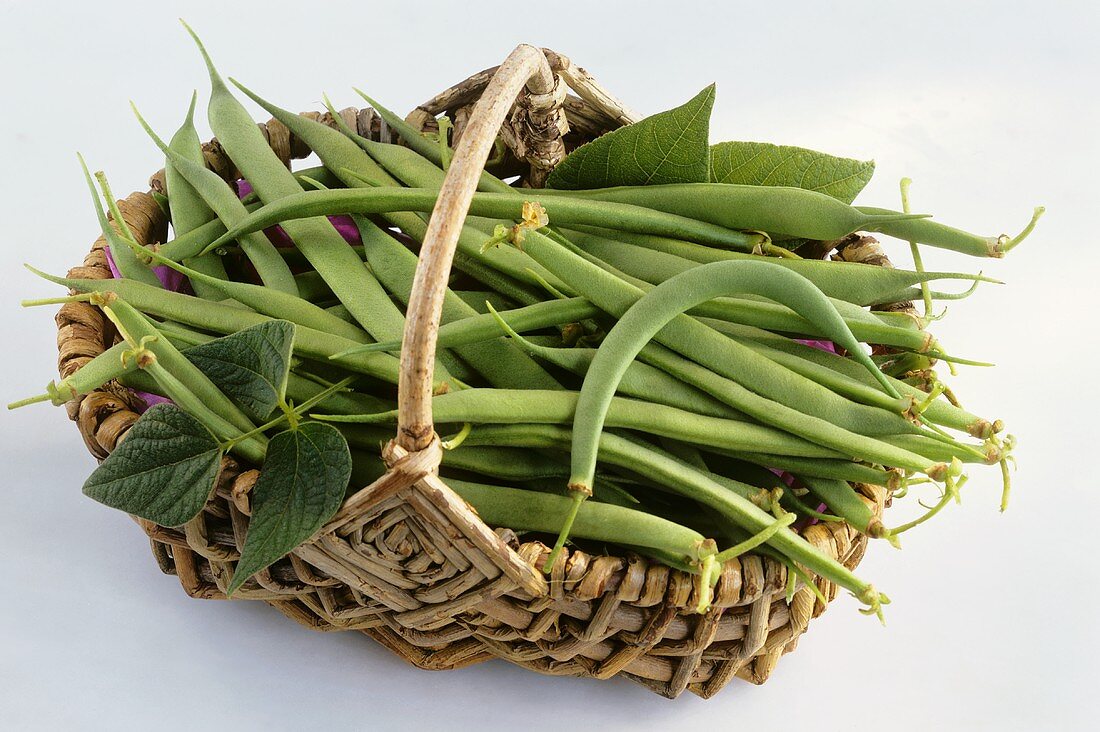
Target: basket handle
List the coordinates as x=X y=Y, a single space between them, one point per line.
x=526 y=65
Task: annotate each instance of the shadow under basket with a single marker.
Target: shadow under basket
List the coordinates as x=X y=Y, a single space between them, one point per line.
x=408 y=562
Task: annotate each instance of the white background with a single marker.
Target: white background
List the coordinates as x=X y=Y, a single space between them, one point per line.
x=990 y=107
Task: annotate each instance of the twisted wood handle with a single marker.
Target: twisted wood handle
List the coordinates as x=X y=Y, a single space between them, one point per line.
x=526 y=65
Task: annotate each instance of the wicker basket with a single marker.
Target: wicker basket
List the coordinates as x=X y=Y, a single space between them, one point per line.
x=407 y=561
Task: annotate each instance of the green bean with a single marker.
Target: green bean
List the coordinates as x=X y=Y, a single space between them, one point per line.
x=505 y=463
x=782 y=211
x=845 y=470
x=651 y=313
x=482 y=300
x=427 y=148
x=943 y=451
x=495 y=461
x=298 y=389
x=126 y=262
x=484 y=327
x=933 y=234
x=500 y=362
x=193 y=177
x=606 y=489
x=476 y=268
x=640 y=380
x=194 y=390
x=723 y=356
x=535 y=511
x=655 y=259
x=892 y=329
x=194 y=242
x=188 y=210
x=511 y=406
x=311 y=286
x=307 y=204
x=225 y=319
x=106 y=366
x=821 y=431
x=273 y=303
x=846 y=377
x=689 y=482
x=316 y=237
x=843 y=501
x=342 y=153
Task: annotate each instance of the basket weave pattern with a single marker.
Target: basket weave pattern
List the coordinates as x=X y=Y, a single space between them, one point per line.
x=409 y=563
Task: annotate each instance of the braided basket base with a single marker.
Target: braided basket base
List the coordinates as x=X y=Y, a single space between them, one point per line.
x=408 y=563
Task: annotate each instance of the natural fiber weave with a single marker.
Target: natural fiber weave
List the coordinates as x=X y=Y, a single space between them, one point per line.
x=407 y=562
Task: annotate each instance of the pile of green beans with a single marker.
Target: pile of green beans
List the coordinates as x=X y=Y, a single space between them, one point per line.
x=649 y=349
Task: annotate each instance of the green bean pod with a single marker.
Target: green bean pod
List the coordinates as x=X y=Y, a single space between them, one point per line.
x=535 y=511
x=345 y=154
x=640 y=380
x=656 y=259
x=126 y=262
x=689 y=482
x=651 y=313
x=512 y=406
x=196 y=241
x=311 y=204
x=934 y=234
x=192 y=176
x=226 y=319
x=106 y=366
x=316 y=237
x=141 y=332
x=782 y=211
x=188 y=209
x=273 y=303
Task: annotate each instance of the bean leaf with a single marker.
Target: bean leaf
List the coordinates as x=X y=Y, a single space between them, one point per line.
x=764 y=164
x=300 y=487
x=668 y=147
x=164 y=470
x=250 y=366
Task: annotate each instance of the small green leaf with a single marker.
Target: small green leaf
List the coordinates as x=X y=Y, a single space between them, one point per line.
x=764 y=164
x=250 y=366
x=668 y=147
x=300 y=487
x=164 y=470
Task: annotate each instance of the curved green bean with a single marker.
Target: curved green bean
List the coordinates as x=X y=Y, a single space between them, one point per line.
x=640 y=380
x=650 y=314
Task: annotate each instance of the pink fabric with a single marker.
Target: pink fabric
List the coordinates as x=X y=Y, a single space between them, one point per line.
x=820 y=345
x=169 y=278
x=344 y=224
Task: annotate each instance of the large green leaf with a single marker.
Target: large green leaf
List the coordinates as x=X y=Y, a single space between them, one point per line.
x=668 y=147
x=250 y=366
x=164 y=470
x=764 y=164
x=300 y=487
